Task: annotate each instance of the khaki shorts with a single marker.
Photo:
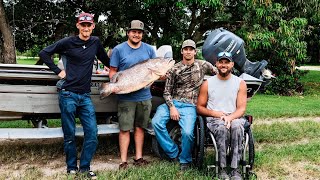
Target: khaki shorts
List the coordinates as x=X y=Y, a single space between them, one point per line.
x=134 y=114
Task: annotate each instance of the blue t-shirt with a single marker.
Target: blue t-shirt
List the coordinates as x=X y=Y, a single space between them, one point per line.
x=123 y=57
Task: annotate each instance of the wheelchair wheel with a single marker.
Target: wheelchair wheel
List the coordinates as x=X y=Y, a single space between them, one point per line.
x=175 y=134
x=198 y=149
x=251 y=149
x=249 y=160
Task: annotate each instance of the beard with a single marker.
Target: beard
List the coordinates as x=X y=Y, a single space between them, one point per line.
x=134 y=42
x=224 y=74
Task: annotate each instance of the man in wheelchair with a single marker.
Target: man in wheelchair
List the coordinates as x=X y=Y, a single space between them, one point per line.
x=223 y=100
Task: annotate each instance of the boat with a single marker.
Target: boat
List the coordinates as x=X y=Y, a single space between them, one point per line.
x=28 y=92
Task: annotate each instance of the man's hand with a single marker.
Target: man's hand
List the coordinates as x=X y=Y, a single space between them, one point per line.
x=174 y=113
x=62 y=74
x=164 y=77
x=227 y=121
x=115 y=78
x=218 y=114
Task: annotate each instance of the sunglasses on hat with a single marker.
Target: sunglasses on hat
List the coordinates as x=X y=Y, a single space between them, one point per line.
x=224 y=54
x=85 y=18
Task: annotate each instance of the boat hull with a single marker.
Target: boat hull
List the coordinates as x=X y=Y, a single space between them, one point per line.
x=28 y=91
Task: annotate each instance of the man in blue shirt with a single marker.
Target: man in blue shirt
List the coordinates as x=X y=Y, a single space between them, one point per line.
x=133 y=108
x=78 y=53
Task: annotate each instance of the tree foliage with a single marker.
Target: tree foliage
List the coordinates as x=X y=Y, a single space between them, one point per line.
x=270 y=35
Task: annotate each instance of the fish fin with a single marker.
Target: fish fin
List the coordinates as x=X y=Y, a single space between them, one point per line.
x=156 y=71
x=105 y=90
x=116 y=77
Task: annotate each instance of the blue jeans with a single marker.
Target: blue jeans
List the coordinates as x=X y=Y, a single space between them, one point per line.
x=187 y=121
x=71 y=104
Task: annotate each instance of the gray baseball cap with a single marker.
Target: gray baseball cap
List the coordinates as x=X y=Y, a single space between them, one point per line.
x=189 y=43
x=136 y=25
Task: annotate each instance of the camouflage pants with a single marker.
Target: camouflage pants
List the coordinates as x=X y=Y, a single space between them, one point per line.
x=228 y=137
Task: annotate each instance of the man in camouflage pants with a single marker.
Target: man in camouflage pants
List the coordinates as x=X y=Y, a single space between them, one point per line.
x=223 y=99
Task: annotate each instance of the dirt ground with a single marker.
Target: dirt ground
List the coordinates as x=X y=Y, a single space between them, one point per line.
x=46 y=155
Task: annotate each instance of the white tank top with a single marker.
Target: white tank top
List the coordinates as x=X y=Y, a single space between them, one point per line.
x=222 y=94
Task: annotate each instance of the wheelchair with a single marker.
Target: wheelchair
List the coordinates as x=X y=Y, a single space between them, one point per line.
x=205 y=144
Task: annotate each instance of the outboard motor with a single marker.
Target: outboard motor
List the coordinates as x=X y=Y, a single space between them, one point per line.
x=222 y=40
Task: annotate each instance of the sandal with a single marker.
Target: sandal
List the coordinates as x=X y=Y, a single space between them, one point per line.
x=140 y=162
x=123 y=165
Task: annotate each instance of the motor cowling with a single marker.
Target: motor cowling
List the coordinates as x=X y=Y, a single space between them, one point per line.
x=223 y=40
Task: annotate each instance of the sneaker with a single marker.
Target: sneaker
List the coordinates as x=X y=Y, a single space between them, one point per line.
x=123 y=165
x=174 y=160
x=91 y=175
x=185 y=166
x=235 y=174
x=72 y=172
x=140 y=162
x=223 y=174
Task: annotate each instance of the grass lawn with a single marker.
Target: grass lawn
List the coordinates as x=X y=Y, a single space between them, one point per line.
x=272 y=106
x=31 y=61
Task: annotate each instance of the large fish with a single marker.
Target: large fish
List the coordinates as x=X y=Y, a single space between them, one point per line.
x=137 y=77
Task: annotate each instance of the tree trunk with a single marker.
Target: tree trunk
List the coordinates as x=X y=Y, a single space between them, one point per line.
x=8 y=48
x=1 y=44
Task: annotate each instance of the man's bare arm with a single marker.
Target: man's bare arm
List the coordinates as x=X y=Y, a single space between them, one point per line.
x=112 y=72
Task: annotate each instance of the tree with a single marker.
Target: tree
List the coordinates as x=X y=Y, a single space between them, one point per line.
x=309 y=9
x=270 y=35
x=7 y=53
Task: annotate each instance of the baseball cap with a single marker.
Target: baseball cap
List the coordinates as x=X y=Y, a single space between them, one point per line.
x=85 y=17
x=137 y=25
x=225 y=55
x=188 y=42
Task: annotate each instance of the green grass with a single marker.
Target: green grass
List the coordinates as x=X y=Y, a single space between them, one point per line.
x=276 y=160
x=271 y=106
x=312 y=83
x=28 y=124
x=159 y=170
x=311 y=76
x=15 y=124
x=31 y=61
x=286 y=132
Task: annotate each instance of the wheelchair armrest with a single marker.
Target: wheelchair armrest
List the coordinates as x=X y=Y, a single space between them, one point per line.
x=248 y=122
x=249 y=118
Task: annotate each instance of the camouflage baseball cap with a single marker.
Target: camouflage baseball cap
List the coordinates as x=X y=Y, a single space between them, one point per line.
x=189 y=43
